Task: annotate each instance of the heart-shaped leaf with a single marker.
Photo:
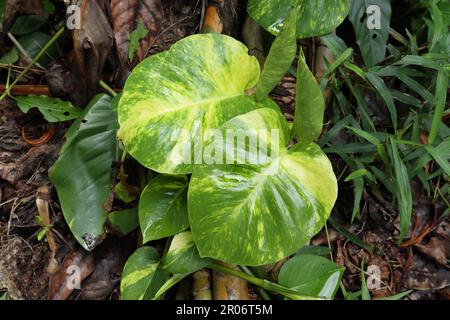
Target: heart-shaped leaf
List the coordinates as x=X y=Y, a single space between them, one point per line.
x=82 y=173
x=183 y=256
x=172 y=97
x=311 y=275
x=142 y=275
x=315 y=17
x=257 y=214
x=163 y=208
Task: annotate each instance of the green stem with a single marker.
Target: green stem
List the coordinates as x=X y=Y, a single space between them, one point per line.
x=38 y=56
x=261 y=291
x=263 y=283
x=107 y=88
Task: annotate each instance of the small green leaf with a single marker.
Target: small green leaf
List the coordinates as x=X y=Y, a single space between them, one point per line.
x=11 y=57
x=356 y=174
x=41 y=234
x=142 y=275
x=183 y=256
x=53 y=109
x=134 y=38
x=125 y=192
x=124 y=220
x=280 y=57
x=163 y=207
x=82 y=173
x=311 y=275
x=309 y=105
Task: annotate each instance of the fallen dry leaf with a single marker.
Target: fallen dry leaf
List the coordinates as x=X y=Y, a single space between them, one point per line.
x=126 y=15
x=92 y=45
x=437 y=249
x=109 y=261
x=61 y=283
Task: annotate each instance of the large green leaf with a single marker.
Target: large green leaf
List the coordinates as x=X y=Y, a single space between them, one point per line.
x=315 y=17
x=183 y=256
x=257 y=214
x=172 y=97
x=142 y=275
x=82 y=173
x=280 y=57
x=309 y=105
x=311 y=275
x=371 y=41
x=53 y=109
x=163 y=208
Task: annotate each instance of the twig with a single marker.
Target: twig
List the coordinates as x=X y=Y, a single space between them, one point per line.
x=24 y=90
x=22 y=50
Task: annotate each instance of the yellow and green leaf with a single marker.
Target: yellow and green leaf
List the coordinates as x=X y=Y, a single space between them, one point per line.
x=315 y=17
x=258 y=214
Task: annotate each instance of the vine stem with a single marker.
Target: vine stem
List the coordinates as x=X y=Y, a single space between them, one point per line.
x=33 y=62
x=263 y=283
x=107 y=88
x=261 y=291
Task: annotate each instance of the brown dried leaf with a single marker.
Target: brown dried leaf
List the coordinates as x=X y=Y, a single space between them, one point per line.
x=437 y=249
x=110 y=260
x=126 y=15
x=61 y=282
x=92 y=45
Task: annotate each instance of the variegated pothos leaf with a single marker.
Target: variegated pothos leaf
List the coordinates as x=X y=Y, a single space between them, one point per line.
x=171 y=98
x=315 y=17
x=258 y=214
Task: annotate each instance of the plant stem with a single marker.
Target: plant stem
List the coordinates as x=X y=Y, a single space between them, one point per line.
x=263 y=283
x=41 y=52
x=107 y=88
x=261 y=291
